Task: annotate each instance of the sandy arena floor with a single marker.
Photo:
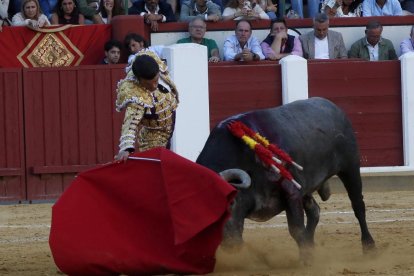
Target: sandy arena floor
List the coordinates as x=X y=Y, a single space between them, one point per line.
x=269 y=250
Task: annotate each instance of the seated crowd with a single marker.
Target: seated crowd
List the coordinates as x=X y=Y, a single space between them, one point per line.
x=320 y=43
x=39 y=13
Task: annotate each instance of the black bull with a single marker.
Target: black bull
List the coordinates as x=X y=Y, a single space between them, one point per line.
x=318 y=136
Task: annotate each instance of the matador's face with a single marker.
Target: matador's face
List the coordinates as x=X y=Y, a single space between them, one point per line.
x=150 y=85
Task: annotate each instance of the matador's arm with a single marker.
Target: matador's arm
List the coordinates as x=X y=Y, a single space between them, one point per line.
x=133 y=116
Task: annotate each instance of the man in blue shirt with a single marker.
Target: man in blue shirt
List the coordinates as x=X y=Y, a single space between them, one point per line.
x=47 y=7
x=242 y=46
x=381 y=8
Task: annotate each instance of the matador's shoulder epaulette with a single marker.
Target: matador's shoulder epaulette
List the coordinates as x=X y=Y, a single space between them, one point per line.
x=130 y=92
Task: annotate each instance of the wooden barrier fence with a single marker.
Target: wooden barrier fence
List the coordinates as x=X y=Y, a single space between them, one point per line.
x=55 y=123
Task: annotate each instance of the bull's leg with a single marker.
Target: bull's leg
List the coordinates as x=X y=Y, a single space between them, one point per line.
x=296 y=220
x=233 y=230
x=233 y=233
x=353 y=184
x=312 y=211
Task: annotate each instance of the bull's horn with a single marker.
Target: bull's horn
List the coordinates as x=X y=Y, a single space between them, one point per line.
x=237 y=177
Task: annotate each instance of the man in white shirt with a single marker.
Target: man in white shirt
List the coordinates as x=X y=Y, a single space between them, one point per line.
x=322 y=43
x=242 y=46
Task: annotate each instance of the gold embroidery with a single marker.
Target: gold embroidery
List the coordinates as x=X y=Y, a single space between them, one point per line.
x=51 y=51
x=151 y=112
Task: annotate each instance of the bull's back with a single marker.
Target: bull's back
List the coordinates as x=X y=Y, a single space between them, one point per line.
x=317 y=134
x=313 y=131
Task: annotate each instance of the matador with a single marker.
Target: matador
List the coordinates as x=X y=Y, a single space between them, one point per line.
x=150 y=99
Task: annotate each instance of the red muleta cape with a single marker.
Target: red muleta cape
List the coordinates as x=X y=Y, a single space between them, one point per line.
x=141 y=218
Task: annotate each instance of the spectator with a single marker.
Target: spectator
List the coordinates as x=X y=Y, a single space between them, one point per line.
x=206 y=10
x=322 y=43
x=4 y=16
x=297 y=8
x=112 y=52
x=90 y=10
x=66 y=12
x=269 y=8
x=373 y=47
x=136 y=43
x=197 y=30
x=407 y=45
x=243 y=9
x=381 y=7
x=15 y=6
x=173 y=3
x=30 y=15
x=342 y=8
x=279 y=43
x=242 y=46
x=47 y=7
x=153 y=12
x=407 y=6
x=110 y=8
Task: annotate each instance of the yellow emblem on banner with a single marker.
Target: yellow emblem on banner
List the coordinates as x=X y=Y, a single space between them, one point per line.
x=50 y=51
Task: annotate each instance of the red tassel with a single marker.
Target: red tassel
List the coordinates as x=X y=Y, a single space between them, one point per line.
x=283 y=155
x=236 y=129
x=265 y=154
x=247 y=130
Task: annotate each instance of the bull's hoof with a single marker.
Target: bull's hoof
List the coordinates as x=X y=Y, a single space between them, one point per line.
x=306 y=256
x=369 y=248
x=232 y=245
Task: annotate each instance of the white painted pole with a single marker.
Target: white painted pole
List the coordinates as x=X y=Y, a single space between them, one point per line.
x=407 y=94
x=188 y=67
x=294 y=78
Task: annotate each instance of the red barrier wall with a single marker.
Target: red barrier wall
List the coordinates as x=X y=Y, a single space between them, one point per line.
x=12 y=176
x=370 y=94
x=70 y=124
x=236 y=88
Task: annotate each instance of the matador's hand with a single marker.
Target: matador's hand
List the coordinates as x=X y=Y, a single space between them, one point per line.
x=122 y=156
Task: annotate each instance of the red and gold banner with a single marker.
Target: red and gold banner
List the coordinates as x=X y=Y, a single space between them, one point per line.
x=54 y=46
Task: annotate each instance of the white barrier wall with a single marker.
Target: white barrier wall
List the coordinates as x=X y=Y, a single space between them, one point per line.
x=294 y=88
x=407 y=92
x=188 y=67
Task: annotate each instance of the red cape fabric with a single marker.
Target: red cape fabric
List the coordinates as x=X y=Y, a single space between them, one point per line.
x=141 y=217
